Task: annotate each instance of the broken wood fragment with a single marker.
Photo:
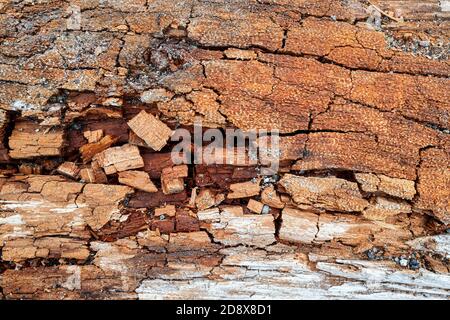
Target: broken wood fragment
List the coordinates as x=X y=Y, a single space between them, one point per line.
x=30 y=168
x=271 y=198
x=93 y=174
x=244 y=189
x=154 y=132
x=88 y=151
x=172 y=179
x=116 y=159
x=207 y=199
x=324 y=193
x=69 y=169
x=401 y=188
x=137 y=179
x=256 y=206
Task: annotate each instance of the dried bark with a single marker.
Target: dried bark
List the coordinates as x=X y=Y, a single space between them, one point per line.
x=93 y=207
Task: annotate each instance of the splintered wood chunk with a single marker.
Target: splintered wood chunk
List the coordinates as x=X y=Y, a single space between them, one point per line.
x=167 y=211
x=93 y=136
x=207 y=199
x=30 y=140
x=172 y=179
x=270 y=197
x=88 y=151
x=154 y=132
x=117 y=159
x=171 y=186
x=244 y=189
x=69 y=169
x=255 y=206
x=137 y=179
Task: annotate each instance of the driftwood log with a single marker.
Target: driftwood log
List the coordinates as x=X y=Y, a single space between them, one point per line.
x=93 y=207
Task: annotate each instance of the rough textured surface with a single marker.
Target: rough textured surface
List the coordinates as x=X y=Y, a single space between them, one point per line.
x=92 y=206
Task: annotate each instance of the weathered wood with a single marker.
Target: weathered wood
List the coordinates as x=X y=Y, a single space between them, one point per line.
x=93 y=205
x=172 y=179
x=31 y=140
x=117 y=159
x=137 y=179
x=154 y=132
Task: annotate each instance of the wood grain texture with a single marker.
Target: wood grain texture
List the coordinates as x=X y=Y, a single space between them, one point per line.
x=92 y=206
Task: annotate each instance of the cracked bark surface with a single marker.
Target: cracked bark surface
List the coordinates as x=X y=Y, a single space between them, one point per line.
x=92 y=206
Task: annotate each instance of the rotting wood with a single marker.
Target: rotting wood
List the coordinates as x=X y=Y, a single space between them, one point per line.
x=31 y=140
x=154 y=132
x=244 y=189
x=88 y=151
x=255 y=206
x=137 y=179
x=69 y=169
x=172 y=179
x=359 y=207
x=93 y=136
x=168 y=211
x=116 y=159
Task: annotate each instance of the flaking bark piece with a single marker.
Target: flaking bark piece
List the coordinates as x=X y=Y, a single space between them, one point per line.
x=137 y=179
x=154 y=132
